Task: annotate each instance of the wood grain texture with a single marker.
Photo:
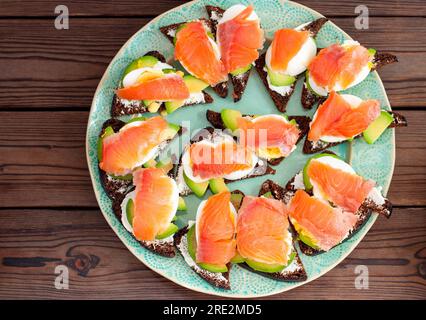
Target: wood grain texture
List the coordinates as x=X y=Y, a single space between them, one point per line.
x=28 y=8
x=42 y=155
x=102 y=268
x=46 y=68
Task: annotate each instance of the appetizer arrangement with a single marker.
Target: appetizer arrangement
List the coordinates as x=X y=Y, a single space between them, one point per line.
x=270 y=233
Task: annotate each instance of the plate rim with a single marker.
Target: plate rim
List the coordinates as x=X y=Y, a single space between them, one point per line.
x=353 y=246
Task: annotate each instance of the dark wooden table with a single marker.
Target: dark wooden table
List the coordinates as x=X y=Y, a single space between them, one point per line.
x=48 y=212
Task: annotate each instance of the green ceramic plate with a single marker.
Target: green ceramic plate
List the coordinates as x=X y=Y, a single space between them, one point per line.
x=372 y=161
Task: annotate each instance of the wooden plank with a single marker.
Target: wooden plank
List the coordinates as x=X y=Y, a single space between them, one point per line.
x=47 y=68
x=34 y=242
x=43 y=163
x=36 y=8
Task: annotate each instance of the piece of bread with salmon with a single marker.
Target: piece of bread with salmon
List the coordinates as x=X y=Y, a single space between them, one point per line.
x=154 y=61
x=373 y=203
x=217 y=121
x=281 y=97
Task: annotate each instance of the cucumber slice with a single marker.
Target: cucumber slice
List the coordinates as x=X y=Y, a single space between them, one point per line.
x=194 y=84
x=181 y=204
x=280 y=80
x=218 y=185
x=305 y=236
x=130 y=211
x=230 y=118
x=241 y=70
x=142 y=62
x=237 y=258
x=136 y=119
x=377 y=127
x=127 y=177
x=171 y=229
x=150 y=163
x=236 y=200
x=172 y=106
x=152 y=106
x=166 y=165
x=198 y=188
x=267 y=195
x=107 y=132
x=264 y=267
x=171 y=131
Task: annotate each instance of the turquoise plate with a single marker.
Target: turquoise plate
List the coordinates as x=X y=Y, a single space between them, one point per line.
x=372 y=161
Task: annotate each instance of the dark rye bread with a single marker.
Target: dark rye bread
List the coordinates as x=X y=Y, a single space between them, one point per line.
x=261 y=168
x=315 y=26
x=163 y=248
x=239 y=82
x=297 y=271
x=121 y=107
x=220 y=280
x=279 y=100
x=217 y=279
x=215 y=14
x=364 y=212
x=311 y=147
x=302 y=121
x=380 y=59
x=222 y=88
x=117 y=189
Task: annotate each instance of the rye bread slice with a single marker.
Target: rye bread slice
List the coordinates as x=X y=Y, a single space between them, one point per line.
x=311 y=147
x=215 y=14
x=279 y=100
x=117 y=189
x=315 y=26
x=170 y=31
x=121 y=107
x=217 y=279
x=293 y=272
x=309 y=98
x=239 y=83
x=261 y=168
x=164 y=247
x=364 y=212
x=302 y=121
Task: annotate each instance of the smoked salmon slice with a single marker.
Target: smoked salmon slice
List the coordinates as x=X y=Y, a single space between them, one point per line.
x=217 y=160
x=338 y=64
x=262 y=231
x=344 y=189
x=324 y=225
x=126 y=149
x=271 y=131
x=164 y=88
x=156 y=200
x=196 y=52
x=239 y=40
x=286 y=44
x=215 y=230
x=337 y=118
